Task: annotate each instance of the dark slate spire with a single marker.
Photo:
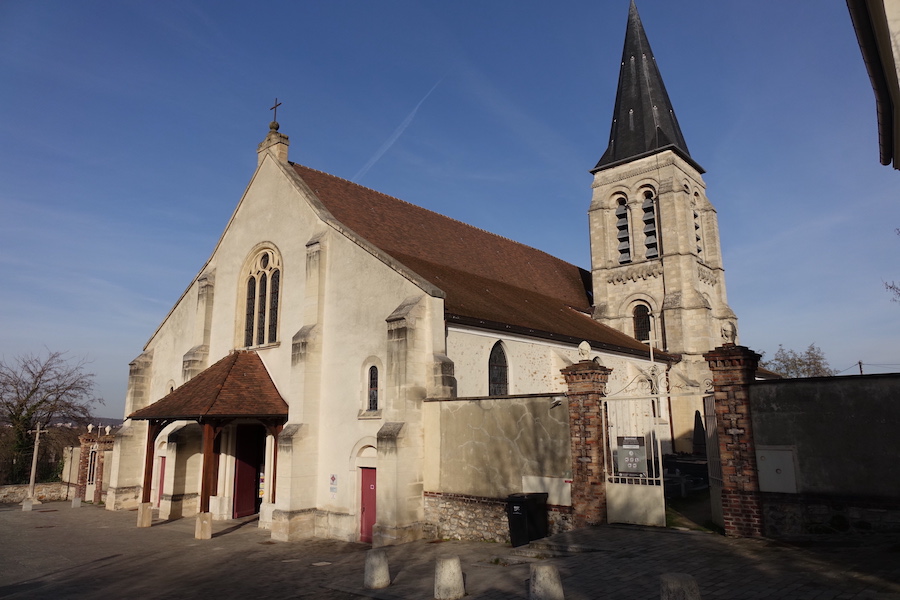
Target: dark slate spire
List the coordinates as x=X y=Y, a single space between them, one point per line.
x=644 y=122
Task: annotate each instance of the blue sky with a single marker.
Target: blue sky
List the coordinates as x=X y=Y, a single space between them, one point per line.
x=129 y=132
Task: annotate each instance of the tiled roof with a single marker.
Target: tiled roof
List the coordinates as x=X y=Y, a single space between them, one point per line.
x=486 y=278
x=237 y=386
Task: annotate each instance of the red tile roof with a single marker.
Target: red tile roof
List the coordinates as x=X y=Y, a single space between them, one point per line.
x=488 y=280
x=237 y=386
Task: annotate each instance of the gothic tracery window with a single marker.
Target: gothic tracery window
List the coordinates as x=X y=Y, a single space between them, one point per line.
x=263 y=285
x=498 y=372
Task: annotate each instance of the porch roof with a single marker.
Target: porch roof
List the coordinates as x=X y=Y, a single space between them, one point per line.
x=237 y=386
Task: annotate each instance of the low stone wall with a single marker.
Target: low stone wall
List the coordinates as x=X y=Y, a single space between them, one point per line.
x=795 y=515
x=476 y=518
x=45 y=492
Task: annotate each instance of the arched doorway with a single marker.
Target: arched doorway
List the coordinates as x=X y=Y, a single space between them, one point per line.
x=249 y=464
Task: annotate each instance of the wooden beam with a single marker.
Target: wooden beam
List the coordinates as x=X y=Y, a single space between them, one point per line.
x=154 y=426
x=208 y=475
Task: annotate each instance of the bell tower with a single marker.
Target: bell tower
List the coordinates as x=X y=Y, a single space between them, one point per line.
x=655 y=256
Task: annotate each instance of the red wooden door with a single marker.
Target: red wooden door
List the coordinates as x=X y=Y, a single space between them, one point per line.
x=249 y=448
x=162 y=479
x=367 y=505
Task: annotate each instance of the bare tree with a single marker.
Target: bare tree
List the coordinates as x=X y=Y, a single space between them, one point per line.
x=791 y=364
x=38 y=389
x=892 y=286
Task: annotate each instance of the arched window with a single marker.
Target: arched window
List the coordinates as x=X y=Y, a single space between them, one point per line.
x=622 y=233
x=651 y=241
x=263 y=285
x=373 y=388
x=498 y=372
x=641 y=317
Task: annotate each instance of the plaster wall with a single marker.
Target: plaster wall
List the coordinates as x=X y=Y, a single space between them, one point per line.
x=534 y=365
x=839 y=431
x=490 y=445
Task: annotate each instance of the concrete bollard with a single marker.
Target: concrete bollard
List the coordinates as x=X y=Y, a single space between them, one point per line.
x=545 y=583
x=203 y=527
x=27 y=504
x=378 y=575
x=448 y=579
x=678 y=586
x=76 y=502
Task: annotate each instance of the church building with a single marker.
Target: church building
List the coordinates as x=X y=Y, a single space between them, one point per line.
x=349 y=365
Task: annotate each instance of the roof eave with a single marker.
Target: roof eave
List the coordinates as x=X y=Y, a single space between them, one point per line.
x=867 y=38
x=674 y=148
x=557 y=337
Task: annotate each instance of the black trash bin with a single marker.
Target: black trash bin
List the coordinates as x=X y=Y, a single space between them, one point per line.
x=527 y=515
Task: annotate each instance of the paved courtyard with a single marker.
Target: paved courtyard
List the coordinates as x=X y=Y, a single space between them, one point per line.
x=56 y=551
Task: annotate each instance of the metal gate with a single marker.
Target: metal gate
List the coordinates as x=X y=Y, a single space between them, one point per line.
x=634 y=482
x=713 y=462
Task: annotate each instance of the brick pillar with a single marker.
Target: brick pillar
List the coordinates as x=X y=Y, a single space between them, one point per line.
x=587 y=387
x=81 y=482
x=734 y=368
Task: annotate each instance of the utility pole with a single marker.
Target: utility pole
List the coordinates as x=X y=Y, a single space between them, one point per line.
x=30 y=499
x=860 y=368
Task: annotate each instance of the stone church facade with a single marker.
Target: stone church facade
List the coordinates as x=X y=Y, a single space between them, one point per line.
x=349 y=365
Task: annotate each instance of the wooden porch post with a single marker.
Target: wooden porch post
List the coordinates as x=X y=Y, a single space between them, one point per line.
x=203 y=528
x=145 y=512
x=209 y=471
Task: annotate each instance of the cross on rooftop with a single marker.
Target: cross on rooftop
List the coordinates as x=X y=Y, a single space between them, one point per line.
x=275 y=109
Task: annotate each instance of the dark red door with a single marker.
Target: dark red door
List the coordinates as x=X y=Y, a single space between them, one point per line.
x=367 y=505
x=249 y=452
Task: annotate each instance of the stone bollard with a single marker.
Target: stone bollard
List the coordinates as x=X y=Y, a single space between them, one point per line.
x=378 y=575
x=448 y=579
x=76 y=502
x=203 y=526
x=145 y=515
x=678 y=586
x=545 y=583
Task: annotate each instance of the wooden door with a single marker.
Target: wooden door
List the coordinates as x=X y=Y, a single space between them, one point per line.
x=249 y=453
x=367 y=505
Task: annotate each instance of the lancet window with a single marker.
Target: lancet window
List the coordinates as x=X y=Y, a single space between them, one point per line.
x=263 y=287
x=373 y=388
x=651 y=237
x=622 y=232
x=498 y=372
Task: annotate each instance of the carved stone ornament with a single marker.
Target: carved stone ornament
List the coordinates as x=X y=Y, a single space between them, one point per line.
x=707 y=275
x=729 y=332
x=584 y=351
x=634 y=273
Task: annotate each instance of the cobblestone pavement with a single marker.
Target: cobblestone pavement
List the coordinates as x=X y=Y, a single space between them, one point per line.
x=57 y=551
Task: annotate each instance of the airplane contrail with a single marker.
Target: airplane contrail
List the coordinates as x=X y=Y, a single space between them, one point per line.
x=394 y=136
